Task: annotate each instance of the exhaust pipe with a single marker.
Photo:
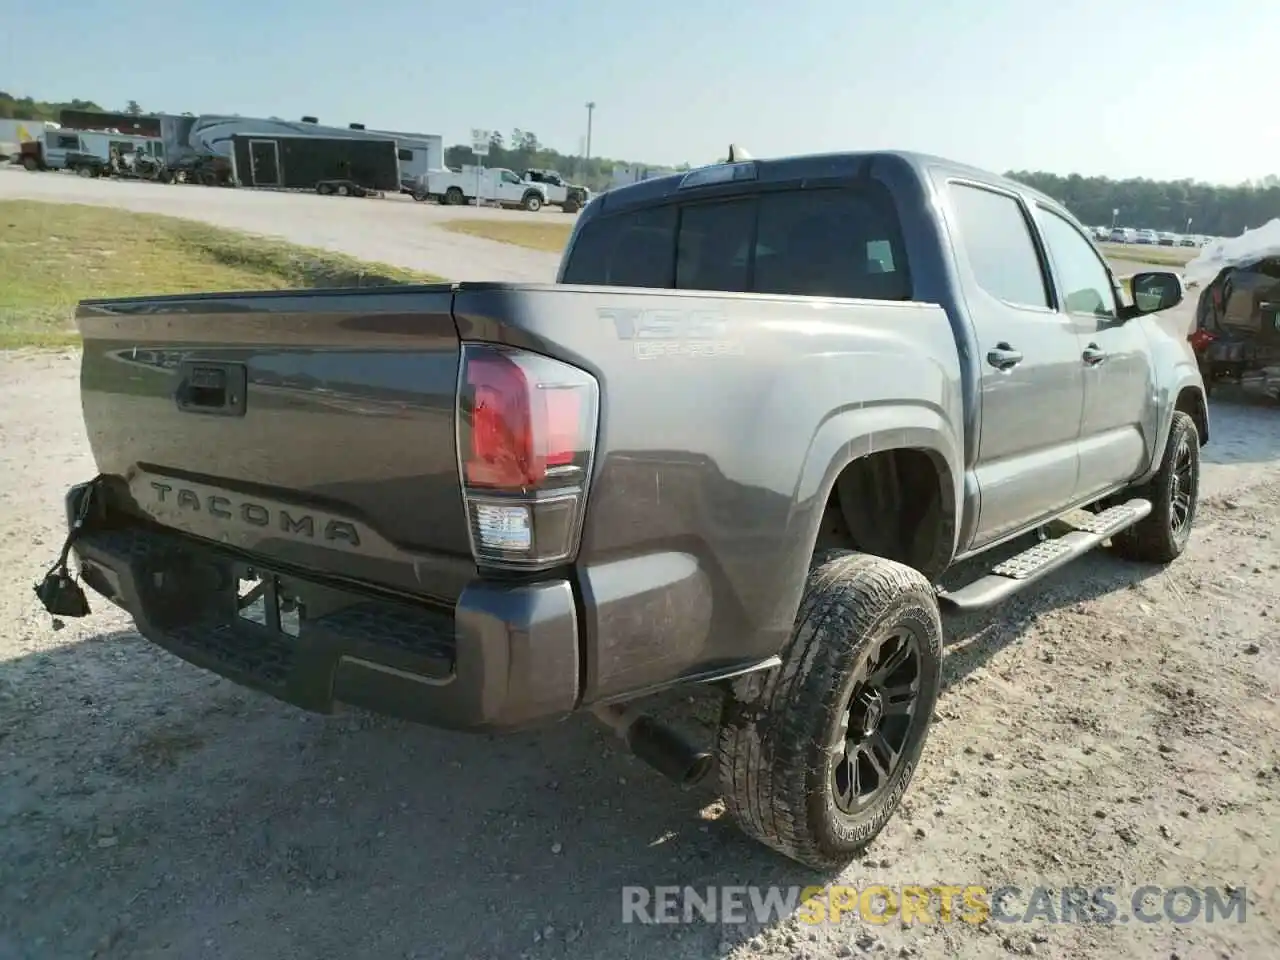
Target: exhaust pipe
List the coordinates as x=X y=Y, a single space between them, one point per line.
x=659 y=745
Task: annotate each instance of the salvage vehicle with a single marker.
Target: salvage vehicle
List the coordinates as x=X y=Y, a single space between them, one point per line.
x=569 y=197
x=744 y=440
x=1237 y=327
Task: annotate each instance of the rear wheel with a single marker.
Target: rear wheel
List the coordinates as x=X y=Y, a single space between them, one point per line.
x=532 y=202
x=1174 y=492
x=816 y=755
x=344 y=190
x=84 y=171
x=453 y=197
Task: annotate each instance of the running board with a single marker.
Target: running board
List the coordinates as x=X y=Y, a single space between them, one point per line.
x=1024 y=569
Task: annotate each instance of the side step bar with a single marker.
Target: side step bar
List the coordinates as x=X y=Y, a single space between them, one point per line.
x=1024 y=569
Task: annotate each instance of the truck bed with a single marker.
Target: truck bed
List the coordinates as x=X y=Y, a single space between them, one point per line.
x=703 y=491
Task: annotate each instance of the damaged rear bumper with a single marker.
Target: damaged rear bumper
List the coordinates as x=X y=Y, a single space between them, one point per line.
x=504 y=657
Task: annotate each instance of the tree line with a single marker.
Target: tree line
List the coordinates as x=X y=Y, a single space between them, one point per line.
x=1179 y=206
x=1175 y=205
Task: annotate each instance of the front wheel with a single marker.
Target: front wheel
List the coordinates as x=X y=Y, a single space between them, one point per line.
x=1174 y=492
x=815 y=756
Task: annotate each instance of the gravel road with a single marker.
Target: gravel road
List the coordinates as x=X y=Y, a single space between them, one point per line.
x=395 y=230
x=1117 y=726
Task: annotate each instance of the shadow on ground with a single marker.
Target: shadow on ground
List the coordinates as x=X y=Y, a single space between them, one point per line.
x=159 y=811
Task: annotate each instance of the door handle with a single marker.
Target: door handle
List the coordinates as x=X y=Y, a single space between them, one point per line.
x=1093 y=355
x=1004 y=357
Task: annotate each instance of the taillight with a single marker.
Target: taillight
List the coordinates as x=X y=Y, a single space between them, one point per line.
x=526 y=436
x=1200 y=340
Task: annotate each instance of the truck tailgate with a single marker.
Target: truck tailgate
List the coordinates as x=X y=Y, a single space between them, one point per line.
x=313 y=429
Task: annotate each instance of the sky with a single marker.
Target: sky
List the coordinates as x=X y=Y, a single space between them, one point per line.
x=1124 y=88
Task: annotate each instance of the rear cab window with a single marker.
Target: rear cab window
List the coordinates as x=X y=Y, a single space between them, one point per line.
x=828 y=241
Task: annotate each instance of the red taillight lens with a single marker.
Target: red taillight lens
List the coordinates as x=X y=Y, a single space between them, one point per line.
x=526 y=435
x=1200 y=340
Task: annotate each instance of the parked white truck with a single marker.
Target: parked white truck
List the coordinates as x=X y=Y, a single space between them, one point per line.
x=495 y=185
x=569 y=197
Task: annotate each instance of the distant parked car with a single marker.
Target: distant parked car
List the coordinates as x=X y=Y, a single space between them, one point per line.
x=1101 y=233
x=1168 y=239
x=1121 y=235
x=1146 y=236
x=1191 y=241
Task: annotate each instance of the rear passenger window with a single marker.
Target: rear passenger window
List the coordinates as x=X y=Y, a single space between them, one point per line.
x=828 y=243
x=627 y=250
x=998 y=243
x=714 y=247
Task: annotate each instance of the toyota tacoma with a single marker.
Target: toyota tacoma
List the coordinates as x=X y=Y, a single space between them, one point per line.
x=744 y=440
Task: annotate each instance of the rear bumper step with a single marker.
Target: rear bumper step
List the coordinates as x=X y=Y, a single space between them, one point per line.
x=505 y=657
x=1025 y=568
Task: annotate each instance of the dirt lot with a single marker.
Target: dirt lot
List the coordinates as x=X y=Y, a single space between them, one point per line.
x=1116 y=727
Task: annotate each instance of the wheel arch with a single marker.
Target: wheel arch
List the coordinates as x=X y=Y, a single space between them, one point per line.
x=917 y=435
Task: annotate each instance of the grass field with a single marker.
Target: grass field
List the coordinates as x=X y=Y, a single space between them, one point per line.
x=548 y=237
x=1157 y=256
x=53 y=255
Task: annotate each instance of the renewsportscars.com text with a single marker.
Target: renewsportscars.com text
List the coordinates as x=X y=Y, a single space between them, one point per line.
x=937 y=903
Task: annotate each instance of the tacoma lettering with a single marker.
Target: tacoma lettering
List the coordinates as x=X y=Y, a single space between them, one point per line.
x=256 y=514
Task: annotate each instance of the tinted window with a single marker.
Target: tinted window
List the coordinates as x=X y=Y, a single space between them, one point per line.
x=404 y=155
x=1085 y=283
x=627 y=250
x=999 y=245
x=828 y=243
x=713 y=246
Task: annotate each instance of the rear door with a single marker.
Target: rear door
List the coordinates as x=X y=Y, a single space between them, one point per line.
x=1032 y=385
x=1118 y=423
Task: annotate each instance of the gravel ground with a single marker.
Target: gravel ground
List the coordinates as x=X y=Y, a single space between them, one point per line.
x=1116 y=726
x=395 y=230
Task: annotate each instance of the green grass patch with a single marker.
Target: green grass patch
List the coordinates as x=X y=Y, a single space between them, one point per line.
x=52 y=255
x=1156 y=256
x=548 y=237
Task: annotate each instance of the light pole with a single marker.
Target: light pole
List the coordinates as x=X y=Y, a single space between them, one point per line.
x=591 y=108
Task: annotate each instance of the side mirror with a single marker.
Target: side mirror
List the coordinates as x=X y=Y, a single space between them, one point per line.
x=1155 y=291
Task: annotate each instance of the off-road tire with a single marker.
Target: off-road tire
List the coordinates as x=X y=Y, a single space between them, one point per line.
x=776 y=731
x=1154 y=539
x=571 y=206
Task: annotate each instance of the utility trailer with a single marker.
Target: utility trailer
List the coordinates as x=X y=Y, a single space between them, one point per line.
x=340 y=165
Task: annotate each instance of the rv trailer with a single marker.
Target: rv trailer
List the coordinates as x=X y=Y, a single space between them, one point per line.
x=210 y=136
x=310 y=163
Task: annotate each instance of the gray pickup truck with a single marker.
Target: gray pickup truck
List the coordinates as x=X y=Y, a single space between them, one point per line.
x=766 y=407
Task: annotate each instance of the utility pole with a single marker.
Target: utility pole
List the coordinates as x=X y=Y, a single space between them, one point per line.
x=591 y=108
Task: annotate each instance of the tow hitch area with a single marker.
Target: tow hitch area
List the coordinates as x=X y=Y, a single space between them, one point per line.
x=58 y=592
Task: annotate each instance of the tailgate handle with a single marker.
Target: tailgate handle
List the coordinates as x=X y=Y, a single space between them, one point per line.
x=212 y=388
